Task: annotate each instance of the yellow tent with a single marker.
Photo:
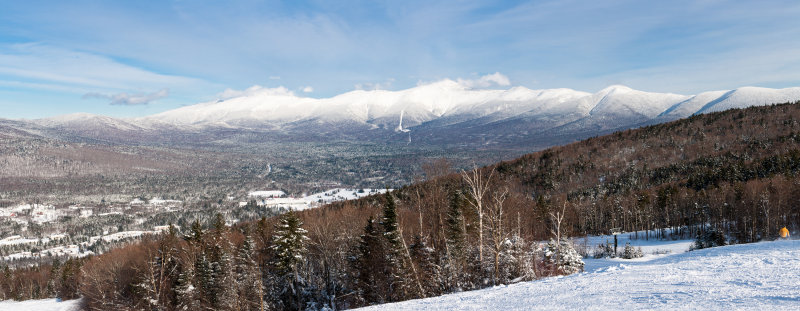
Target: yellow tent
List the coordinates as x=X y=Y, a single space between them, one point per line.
x=784 y=233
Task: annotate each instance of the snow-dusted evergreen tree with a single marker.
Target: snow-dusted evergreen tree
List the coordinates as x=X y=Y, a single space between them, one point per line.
x=397 y=273
x=203 y=279
x=430 y=273
x=516 y=261
x=223 y=295
x=249 y=284
x=604 y=250
x=389 y=222
x=563 y=257
x=196 y=234
x=289 y=246
x=631 y=252
x=187 y=295
x=369 y=265
x=51 y=288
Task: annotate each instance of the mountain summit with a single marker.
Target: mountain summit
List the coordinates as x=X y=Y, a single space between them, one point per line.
x=446 y=112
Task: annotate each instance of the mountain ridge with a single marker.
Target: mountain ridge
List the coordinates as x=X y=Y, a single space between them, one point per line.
x=443 y=112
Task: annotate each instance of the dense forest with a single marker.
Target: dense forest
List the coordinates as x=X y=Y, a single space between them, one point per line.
x=732 y=174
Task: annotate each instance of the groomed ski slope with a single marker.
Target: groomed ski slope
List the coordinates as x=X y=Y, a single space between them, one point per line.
x=757 y=276
x=40 y=305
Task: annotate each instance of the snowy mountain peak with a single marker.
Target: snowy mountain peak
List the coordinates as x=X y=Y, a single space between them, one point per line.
x=617 y=88
x=751 y=96
x=78 y=116
x=458 y=102
x=86 y=120
x=443 y=110
x=624 y=102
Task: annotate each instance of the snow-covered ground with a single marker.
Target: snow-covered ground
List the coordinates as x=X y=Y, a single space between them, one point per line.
x=757 y=276
x=342 y=194
x=649 y=246
x=40 y=305
x=278 y=199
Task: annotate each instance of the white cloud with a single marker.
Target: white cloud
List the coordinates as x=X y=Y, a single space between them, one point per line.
x=41 y=67
x=495 y=79
x=308 y=89
x=125 y=99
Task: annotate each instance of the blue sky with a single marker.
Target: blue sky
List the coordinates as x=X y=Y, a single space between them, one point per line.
x=133 y=58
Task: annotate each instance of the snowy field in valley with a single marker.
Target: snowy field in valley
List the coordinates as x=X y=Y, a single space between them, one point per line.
x=757 y=276
x=40 y=305
x=342 y=194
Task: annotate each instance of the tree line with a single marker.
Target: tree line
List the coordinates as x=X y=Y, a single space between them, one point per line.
x=733 y=173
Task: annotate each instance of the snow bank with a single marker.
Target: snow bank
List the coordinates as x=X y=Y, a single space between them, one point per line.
x=40 y=305
x=758 y=276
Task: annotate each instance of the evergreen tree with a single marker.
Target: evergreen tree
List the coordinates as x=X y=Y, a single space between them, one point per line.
x=51 y=289
x=196 y=234
x=562 y=258
x=456 y=244
x=224 y=293
x=223 y=288
x=187 y=295
x=429 y=271
x=710 y=238
x=250 y=287
x=631 y=252
x=204 y=278
x=516 y=261
x=289 y=246
x=605 y=249
x=397 y=272
x=455 y=232
x=68 y=283
x=219 y=223
x=389 y=223
x=370 y=265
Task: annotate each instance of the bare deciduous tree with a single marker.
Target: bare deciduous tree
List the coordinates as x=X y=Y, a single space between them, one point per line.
x=558 y=218
x=499 y=234
x=478 y=186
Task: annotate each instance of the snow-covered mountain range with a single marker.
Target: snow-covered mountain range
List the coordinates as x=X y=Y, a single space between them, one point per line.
x=442 y=112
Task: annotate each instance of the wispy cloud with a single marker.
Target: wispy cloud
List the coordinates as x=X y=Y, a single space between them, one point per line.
x=197 y=48
x=39 y=62
x=495 y=79
x=125 y=99
x=370 y=86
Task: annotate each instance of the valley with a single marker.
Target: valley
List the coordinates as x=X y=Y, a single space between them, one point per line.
x=708 y=178
x=399 y=155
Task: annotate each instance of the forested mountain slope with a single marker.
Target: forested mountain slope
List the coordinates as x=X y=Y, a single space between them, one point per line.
x=732 y=172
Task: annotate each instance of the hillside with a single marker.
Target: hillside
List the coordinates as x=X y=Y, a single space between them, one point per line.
x=730 y=174
x=759 y=276
x=703 y=169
